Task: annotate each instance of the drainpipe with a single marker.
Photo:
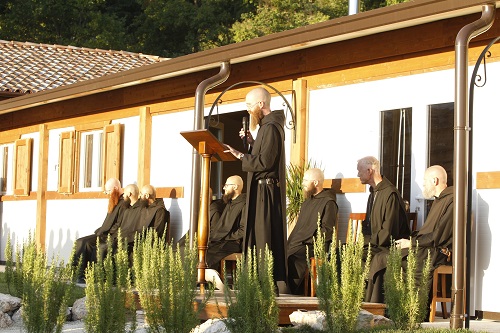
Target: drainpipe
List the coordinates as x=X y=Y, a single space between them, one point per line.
x=199 y=110
x=460 y=158
x=353 y=7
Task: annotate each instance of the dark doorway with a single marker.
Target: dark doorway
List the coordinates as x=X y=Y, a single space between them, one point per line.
x=226 y=128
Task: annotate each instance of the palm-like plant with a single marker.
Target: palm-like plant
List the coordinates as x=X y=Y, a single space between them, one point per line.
x=294 y=195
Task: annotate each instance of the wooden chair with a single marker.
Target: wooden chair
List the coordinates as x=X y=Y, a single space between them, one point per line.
x=412 y=221
x=354 y=224
x=439 y=295
x=231 y=273
x=309 y=279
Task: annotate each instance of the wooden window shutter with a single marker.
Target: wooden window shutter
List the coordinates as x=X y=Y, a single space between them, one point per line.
x=111 y=152
x=22 y=167
x=66 y=162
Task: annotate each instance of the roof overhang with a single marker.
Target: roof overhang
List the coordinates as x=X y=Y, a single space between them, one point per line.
x=395 y=17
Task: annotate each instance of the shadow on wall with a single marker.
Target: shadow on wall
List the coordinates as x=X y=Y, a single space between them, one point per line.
x=345 y=209
x=176 y=222
x=3 y=241
x=482 y=244
x=60 y=250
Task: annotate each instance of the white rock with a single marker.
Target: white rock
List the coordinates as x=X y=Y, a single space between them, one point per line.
x=211 y=326
x=9 y=303
x=79 y=310
x=5 y=320
x=315 y=319
x=364 y=320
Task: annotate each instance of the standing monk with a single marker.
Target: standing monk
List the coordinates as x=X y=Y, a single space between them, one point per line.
x=265 y=165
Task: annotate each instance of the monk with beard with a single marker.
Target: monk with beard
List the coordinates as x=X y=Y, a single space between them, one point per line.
x=86 y=247
x=153 y=214
x=319 y=203
x=265 y=217
x=226 y=234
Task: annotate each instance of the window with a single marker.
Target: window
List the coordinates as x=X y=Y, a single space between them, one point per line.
x=88 y=158
x=4 y=167
x=441 y=137
x=441 y=140
x=395 y=148
x=90 y=161
x=22 y=166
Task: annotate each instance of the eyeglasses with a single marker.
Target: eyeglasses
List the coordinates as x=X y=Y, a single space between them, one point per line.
x=250 y=106
x=226 y=185
x=106 y=191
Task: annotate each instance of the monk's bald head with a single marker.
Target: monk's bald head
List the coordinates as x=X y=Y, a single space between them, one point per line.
x=435 y=181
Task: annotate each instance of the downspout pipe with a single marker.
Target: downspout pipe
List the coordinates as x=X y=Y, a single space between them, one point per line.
x=353 y=7
x=460 y=159
x=199 y=111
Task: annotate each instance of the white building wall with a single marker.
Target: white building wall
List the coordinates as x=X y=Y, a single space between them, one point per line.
x=171 y=157
x=18 y=220
x=70 y=219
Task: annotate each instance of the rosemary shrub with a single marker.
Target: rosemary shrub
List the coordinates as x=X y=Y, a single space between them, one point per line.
x=108 y=291
x=166 y=283
x=46 y=289
x=340 y=295
x=253 y=308
x=13 y=271
x=406 y=295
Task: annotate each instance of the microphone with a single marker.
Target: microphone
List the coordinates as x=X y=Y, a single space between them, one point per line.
x=245 y=130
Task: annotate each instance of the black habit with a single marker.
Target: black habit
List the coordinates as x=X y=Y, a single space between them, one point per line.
x=226 y=234
x=265 y=220
x=324 y=204
x=435 y=234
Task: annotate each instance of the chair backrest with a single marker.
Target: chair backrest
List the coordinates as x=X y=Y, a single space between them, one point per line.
x=354 y=226
x=412 y=221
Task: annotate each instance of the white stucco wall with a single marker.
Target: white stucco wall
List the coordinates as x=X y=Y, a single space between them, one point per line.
x=171 y=157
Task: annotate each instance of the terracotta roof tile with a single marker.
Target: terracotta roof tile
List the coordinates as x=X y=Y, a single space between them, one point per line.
x=28 y=67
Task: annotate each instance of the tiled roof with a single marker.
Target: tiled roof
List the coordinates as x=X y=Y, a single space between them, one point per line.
x=28 y=67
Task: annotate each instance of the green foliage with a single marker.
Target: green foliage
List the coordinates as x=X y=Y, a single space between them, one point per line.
x=166 y=283
x=46 y=289
x=166 y=28
x=294 y=194
x=108 y=291
x=279 y=15
x=340 y=295
x=406 y=294
x=10 y=273
x=253 y=307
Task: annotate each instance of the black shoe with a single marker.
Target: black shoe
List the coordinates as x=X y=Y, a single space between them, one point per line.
x=276 y=290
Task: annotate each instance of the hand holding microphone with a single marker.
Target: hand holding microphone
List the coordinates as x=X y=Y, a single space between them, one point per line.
x=245 y=134
x=245 y=131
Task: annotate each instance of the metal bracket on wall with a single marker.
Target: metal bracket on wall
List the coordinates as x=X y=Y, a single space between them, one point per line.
x=291 y=124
